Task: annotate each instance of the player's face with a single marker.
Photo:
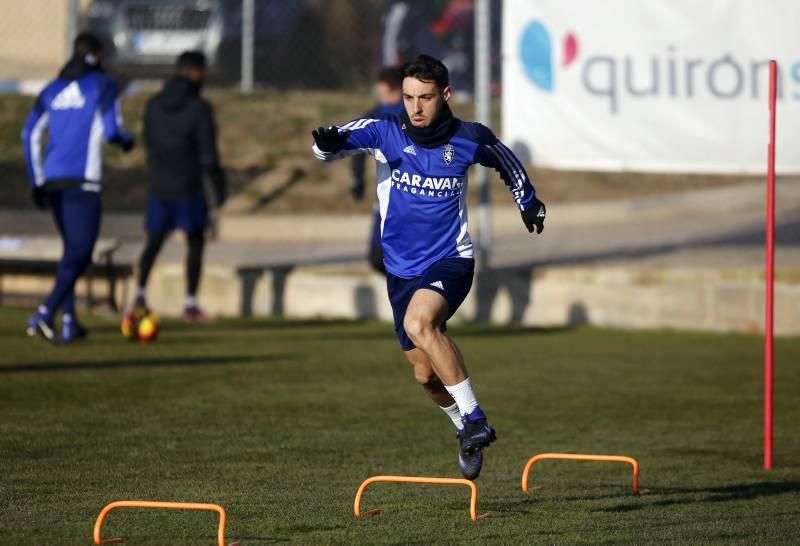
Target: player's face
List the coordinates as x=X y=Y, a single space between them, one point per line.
x=388 y=95
x=423 y=100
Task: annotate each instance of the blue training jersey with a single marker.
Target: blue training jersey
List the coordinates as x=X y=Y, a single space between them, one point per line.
x=77 y=116
x=422 y=192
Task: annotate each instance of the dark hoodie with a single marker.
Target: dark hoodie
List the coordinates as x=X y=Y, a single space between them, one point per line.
x=181 y=140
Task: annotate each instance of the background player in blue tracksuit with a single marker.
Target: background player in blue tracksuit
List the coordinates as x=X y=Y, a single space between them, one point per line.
x=422 y=188
x=389 y=90
x=78 y=110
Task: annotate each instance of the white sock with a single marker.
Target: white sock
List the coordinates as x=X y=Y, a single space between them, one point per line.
x=453 y=413
x=191 y=301
x=463 y=395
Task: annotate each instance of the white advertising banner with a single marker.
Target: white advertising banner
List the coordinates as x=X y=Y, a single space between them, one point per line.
x=651 y=85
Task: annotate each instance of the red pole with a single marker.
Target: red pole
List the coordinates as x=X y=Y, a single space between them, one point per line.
x=770 y=276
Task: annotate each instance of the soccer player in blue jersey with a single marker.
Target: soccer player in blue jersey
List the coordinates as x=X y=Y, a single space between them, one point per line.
x=389 y=90
x=422 y=187
x=77 y=110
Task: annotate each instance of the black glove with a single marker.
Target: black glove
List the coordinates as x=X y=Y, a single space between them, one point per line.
x=39 y=197
x=221 y=196
x=329 y=140
x=220 y=183
x=357 y=188
x=533 y=217
x=127 y=144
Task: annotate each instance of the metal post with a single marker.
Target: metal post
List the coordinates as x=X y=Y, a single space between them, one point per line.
x=73 y=12
x=483 y=114
x=248 y=39
x=770 y=272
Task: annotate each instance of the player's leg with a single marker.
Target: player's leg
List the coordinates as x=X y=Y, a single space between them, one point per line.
x=193 y=219
x=158 y=222
x=425 y=317
x=81 y=216
x=433 y=386
x=71 y=329
x=41 y=321
x=441 y=291
x=194 y=269
x=152 y=247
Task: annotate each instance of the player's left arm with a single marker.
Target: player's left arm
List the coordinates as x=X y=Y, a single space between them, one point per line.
x=32 y=133
x=111 y=113
x=496 y=155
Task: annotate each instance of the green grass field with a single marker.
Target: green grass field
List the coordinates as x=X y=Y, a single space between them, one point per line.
x=280 y=422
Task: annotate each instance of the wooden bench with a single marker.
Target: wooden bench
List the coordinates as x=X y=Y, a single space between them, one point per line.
x=39 y=256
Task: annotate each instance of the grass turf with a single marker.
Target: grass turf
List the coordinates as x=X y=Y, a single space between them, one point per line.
x=280 y=421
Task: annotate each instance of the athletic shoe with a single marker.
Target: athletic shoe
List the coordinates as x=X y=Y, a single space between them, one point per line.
x=194 y=314
x=71 y=330
x=470 y=464
x=40 y=324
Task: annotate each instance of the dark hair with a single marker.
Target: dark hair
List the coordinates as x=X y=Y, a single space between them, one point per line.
x=191 y=59
x=391 y=76
x=425 y=68
x=86 y=43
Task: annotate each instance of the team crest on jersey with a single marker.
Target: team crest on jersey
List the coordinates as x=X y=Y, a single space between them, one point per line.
x=448 y=153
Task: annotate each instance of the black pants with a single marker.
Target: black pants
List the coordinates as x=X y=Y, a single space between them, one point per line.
x=194 y=258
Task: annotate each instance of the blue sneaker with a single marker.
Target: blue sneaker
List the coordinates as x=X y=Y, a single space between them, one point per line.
x=71 y=330
x=470 y=464
x=476 y=435
x=41 y=324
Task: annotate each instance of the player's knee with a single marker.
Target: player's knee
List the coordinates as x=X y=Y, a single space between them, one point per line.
x=418 y=329
x=77 y=258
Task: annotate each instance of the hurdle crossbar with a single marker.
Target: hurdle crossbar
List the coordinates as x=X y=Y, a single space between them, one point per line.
x=473 y=502
x=159 y=505
x=581 y=457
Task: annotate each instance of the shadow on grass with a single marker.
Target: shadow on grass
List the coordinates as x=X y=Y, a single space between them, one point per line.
x=507 y=331
x=264 y=540
x=456 y=332
x=159 y=362
x=240 y=324
x=738 y=492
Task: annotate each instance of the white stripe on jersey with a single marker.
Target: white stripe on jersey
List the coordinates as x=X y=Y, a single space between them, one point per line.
x=523 y=178
x=36 y=148
x=357 y=124
x=463 y=241
x=94 y=150
x=329 y=156
x=518 y=187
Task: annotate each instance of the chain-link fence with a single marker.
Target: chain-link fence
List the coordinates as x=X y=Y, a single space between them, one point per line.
x=312 y=62
x=296 y=43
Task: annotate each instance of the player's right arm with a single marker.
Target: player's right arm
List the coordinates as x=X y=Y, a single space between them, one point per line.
x=357 y=164
x=359 y=136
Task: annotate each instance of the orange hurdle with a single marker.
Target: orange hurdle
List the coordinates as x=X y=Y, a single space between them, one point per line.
x=473 y=502
x=578 y=457
x=159 y=504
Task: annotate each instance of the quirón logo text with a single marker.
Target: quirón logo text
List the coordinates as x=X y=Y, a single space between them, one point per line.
x=669 y=74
